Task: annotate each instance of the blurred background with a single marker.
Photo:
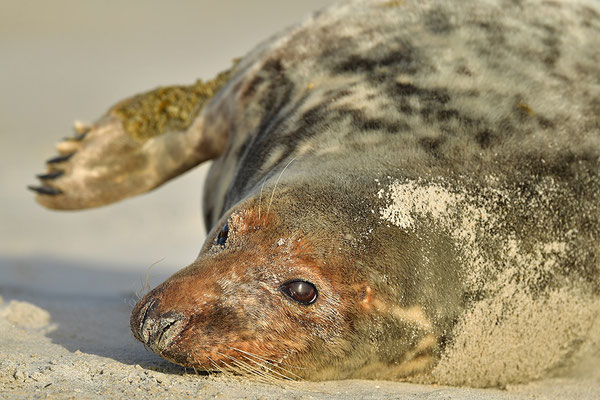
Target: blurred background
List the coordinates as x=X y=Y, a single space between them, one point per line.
x=67 y=60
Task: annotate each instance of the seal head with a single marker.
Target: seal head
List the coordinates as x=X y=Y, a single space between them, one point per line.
x=283 y=294
x=253 y=298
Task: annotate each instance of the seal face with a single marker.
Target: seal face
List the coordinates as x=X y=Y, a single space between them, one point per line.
x=401 y=190
x=260 y=302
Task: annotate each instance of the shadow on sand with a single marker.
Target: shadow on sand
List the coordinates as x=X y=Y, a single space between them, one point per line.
x=89 y=306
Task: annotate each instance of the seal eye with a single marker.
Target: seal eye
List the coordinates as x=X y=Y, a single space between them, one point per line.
x=301 y=291
x=222 y=236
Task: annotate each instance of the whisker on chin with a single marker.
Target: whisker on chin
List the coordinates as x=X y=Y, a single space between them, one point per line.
x=214 y=364
x=245 y=369
x=272 y=362
x=263 y=365
x=265 y=361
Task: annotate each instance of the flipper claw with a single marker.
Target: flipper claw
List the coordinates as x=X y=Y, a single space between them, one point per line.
x=50 y=175
x=46 y=190
x=76 y=138
x=59 y=159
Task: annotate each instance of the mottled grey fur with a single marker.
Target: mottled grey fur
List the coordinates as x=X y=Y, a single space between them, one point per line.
x=482 y=87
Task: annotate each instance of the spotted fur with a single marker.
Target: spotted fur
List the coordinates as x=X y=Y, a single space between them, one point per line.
x=491 y=79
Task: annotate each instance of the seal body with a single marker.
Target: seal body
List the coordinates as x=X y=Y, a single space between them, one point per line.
x=401 y=189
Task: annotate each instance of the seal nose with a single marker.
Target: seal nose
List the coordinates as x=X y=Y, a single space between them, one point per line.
x=154 y=329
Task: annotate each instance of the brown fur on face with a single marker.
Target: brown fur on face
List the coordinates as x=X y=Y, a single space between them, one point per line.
x=230 y=309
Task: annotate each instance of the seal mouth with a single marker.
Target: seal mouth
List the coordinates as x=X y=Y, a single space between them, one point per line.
x=157 y=331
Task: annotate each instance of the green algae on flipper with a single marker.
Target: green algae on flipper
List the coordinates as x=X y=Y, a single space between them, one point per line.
x=172 y=107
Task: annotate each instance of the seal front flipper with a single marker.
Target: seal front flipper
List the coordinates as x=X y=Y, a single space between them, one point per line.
x=139 y=144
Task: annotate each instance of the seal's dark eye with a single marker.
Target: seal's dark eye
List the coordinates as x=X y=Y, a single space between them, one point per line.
x=301 y=291
x=222 y=236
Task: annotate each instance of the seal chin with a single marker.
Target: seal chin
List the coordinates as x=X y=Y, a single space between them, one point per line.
x=157 y=331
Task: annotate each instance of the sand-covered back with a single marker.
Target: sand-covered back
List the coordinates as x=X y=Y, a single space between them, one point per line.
x=535 y=318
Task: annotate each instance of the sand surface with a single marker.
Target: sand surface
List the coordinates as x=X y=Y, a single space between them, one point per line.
x=68 y=280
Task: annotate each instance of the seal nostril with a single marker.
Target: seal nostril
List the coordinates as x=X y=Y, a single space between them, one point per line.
x=154 y=329
x=139 y=317
x=147 y=322
x=143 y=319
x=170 y=327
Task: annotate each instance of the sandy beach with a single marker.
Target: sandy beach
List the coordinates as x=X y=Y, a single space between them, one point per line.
x=68 y=280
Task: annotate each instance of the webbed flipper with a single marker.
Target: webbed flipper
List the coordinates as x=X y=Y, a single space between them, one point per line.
x=139 y=144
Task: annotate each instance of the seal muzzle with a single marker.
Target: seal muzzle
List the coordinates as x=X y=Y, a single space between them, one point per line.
x=157 y=331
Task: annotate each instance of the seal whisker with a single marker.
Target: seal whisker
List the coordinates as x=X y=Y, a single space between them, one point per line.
x=260 y=197
x=269 y=377
x=259 y=365
x=235 y=370
x=264 y=375
x=139 y=293
x=274 y=364
x=277 y=182
x=243 y=366
x=264 y=365
x=254 y=355
x=148 y=272
x=229 y=369
x=277 y=364
x=214 y=364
